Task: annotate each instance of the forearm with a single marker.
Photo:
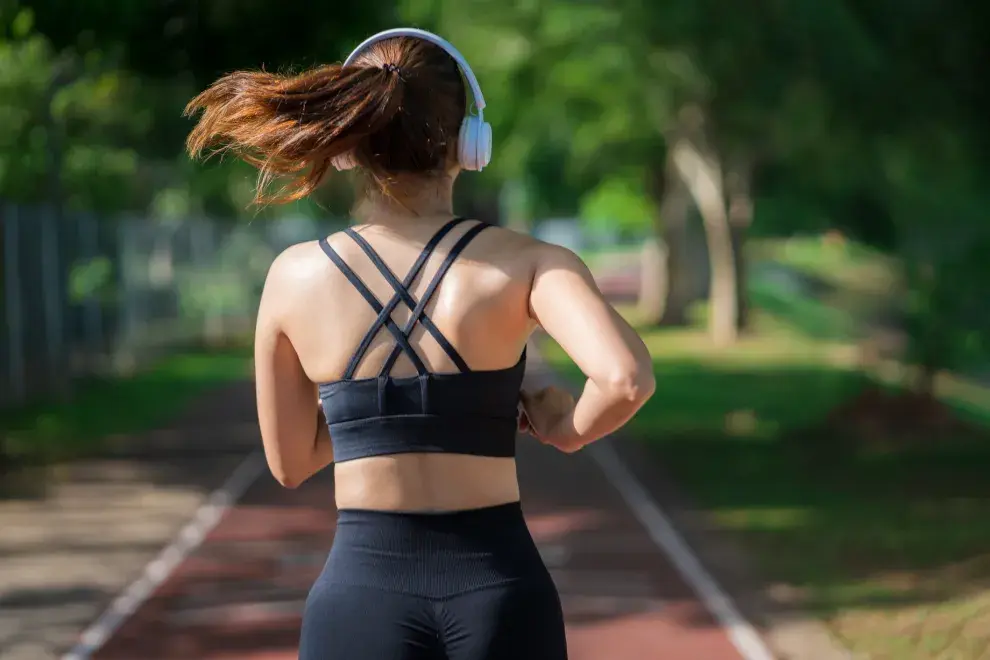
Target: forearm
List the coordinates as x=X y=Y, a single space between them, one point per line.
x=599 y=411
x=322 y=447
x=307 y=461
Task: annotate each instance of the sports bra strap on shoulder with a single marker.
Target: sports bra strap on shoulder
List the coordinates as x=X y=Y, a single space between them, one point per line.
x=417 y=312
x=417 y=267
x=402 y=294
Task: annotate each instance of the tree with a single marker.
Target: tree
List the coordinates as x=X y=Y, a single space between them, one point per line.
x=810 y=106
x=567 y=101
x=618 y=205
x=62 y=122
x=131 y=68
x=919 y=126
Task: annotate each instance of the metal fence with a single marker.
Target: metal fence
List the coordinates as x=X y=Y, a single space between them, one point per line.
x=87 y=295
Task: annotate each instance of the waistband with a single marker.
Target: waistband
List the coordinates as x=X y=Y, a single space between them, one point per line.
x=427 y=531
x=434 y=555
x=494 y=514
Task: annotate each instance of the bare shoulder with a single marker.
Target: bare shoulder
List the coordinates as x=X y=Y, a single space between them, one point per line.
x=533 y=251
x=296 y=267
x=297 y=260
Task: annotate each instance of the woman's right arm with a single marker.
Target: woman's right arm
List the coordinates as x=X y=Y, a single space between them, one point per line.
x=567 y=303
x=295 y=436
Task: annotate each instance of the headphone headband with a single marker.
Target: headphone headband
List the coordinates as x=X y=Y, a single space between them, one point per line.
x=479 y=100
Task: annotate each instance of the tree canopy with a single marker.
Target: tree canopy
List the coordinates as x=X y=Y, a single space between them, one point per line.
x=771 y=118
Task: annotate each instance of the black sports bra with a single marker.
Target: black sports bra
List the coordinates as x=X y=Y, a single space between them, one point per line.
x=468 y=412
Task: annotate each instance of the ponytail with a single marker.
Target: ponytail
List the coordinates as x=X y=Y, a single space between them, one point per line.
x=293 y=126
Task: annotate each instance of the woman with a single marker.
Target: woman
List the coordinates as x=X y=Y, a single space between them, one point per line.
x=419 y=377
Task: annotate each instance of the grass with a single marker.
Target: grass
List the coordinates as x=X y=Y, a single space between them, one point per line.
x=891 y=550
x=830 y=290
x=813 y=317
x=98 y=408
x=842 y=264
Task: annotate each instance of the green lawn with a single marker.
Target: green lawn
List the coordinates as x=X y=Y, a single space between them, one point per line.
x=811 y=316
x=98 y=408
x=875 y=543
x=842 y=264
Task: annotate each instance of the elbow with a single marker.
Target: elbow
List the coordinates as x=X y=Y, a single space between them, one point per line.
x=285 y=476
x=635 y=384
x=287 y=480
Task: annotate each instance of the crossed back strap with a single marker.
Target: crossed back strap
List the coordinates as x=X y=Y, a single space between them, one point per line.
x=402 y=294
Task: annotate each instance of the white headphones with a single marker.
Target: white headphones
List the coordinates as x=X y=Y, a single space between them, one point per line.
x=474 y=143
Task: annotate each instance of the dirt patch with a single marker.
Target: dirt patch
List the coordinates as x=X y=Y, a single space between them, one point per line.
x=879 y=418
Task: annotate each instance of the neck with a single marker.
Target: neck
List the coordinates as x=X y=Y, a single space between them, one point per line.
x=419 y=200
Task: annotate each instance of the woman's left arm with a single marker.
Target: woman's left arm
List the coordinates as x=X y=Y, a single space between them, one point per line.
x=295 y=436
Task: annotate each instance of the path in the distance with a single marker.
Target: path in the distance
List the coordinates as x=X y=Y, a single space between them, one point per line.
x=239 y=595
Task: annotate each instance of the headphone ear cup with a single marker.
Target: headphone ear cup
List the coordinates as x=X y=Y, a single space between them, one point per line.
x=467 y=143
x=484 y=145
x=344 y=162
x=475 y=143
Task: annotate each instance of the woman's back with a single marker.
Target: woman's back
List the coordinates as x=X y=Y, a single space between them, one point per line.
x=419 y=409
x=480 y=306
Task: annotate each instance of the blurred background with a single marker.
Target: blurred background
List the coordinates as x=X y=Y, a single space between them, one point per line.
x=789 y=199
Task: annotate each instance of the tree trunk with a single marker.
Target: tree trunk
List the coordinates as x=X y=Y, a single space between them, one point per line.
x=702 y=177
x=740 y=208
x=680 y=276
x=665 y=273
x=55 y=338
x=654 y=280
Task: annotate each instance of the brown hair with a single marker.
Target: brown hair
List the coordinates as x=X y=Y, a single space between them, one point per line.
x=398 y=109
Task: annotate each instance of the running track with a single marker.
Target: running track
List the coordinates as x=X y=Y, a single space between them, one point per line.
x=233 y=585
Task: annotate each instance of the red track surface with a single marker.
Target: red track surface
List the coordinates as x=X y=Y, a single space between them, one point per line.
x=239 y=596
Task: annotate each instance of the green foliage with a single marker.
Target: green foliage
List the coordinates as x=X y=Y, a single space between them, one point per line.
x=91 y=93
x=619 y=204
x=562 y=88
x=851 y=111
x=947 y=318
x=61 y=122
x=862 y=116
x=90 y=279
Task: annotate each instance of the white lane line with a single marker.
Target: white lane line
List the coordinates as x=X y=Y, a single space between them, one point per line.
x=743 y=635
x=158 y=570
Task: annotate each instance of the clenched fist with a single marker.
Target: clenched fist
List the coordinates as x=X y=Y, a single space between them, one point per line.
x=542 y=412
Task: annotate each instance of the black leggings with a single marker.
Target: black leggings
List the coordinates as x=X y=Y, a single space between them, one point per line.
x=468 y=585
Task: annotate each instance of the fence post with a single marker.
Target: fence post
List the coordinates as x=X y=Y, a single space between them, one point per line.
x=89 y=246
x=12 y=300
x=205 y=258
x=53 y=305
x=123 y=351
